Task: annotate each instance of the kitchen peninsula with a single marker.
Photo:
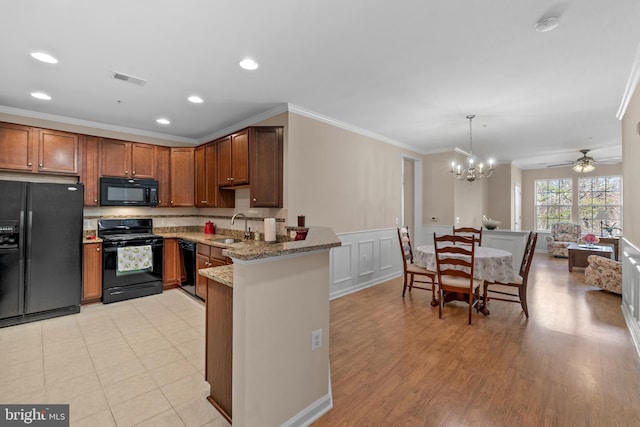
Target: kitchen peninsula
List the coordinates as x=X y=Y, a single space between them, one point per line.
x=267 y=355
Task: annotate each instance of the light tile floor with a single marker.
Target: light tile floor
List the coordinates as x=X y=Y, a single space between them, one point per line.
x=133 y=363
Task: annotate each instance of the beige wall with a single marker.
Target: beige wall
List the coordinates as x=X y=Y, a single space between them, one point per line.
x=341 y=179
x=409 y=192
x=500 y=197
x=438 y=189
x=630 y=172
x=529 y=177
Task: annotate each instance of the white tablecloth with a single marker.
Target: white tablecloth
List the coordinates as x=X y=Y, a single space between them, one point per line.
x=490 y=264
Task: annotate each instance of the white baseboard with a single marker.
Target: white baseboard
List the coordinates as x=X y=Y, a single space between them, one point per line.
x=314 y=411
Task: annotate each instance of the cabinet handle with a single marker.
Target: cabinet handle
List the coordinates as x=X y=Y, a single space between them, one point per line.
x=97 y=249
x=134 y=172
x=203 y=201
x=255 y=200
x=126 y=172
x=29 y=164
x=95 y=200
x=40 y=165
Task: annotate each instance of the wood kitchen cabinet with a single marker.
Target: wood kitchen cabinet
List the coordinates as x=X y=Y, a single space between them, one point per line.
x=16 y=147
x=219 y=346
x=207 y=193
x=266 y=160
x=28 y=149
x=163 y=175
x=126 y=159
x=58 y=152
x=171 y=264
x=92 y=272
x=207 y=256
x=233 y=159
x=182 y=177
x=89 y=169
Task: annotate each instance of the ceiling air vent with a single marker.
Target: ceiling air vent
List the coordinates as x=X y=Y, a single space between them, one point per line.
x=129 y=79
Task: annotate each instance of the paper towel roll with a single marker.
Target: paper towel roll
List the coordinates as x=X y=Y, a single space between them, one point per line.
x=269 y=229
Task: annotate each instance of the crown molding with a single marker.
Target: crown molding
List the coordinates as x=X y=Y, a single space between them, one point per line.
x=337 y=123
x=632 y=84
x=282 y=108
x=96 y=125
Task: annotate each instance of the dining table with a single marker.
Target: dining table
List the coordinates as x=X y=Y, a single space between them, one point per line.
x=489 y=265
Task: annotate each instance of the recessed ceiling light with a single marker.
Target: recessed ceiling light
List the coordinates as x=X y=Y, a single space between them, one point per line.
x=195 y=99
x=44 y=57
x=249 y=64
x=41 y=95
x=547 y=24
x=163 y=121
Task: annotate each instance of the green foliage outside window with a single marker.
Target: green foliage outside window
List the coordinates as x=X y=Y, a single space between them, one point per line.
x=553 y=202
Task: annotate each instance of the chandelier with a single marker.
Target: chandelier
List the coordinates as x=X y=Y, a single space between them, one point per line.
x=469 y=171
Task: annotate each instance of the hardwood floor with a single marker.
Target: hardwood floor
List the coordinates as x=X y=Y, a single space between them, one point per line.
x=573 y=363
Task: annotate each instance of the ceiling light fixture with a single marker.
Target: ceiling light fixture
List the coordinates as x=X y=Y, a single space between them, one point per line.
x=44 y=57
x=163 y=121
x=470 y=172
x=249 y=64
x=547 y=24
x=584 y=164
x=41 y=95
x=195 y=99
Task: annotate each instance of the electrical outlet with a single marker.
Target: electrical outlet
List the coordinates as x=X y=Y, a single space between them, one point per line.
x=316 y=339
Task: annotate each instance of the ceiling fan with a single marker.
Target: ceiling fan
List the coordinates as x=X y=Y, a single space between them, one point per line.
x=585 y=163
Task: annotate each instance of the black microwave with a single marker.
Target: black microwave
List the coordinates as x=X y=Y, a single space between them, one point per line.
x=128 y=192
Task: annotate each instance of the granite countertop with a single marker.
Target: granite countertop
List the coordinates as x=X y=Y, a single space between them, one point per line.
x=249 y=250
x=94 y=240
x=222 y=274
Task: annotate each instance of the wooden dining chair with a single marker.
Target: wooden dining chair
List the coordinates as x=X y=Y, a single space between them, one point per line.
x=412 y=270
x=455 y=256
x=521 y=279
x=476 y=233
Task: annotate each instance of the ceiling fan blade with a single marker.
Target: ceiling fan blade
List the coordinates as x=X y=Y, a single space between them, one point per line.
x=560 y=164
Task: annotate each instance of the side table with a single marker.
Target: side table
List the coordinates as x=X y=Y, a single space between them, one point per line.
x=615 y=241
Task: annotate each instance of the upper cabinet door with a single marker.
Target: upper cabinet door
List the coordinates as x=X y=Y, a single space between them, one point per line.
x=182 y=177
x=89 y=169
x=200 y=177
x=266 y=190
x=16 y=147
x=143 y=163
x=115 y=157
x=58 y=152
x=233 y=159
x=224 y=161
x=240 y=157
x=163 y=174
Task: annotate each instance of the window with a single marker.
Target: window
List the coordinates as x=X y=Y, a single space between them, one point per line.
x=553 y=202
x=600 y=204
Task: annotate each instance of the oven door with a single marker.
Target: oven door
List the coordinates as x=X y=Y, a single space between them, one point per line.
x=131 y=269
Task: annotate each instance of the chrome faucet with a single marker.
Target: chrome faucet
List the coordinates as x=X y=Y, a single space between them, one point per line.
x=246 y=232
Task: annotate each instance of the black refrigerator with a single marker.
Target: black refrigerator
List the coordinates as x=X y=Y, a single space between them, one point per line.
x=40 y=250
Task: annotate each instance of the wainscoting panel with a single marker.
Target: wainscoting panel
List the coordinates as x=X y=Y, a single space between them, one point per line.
x=631 y=289
x=366 y=258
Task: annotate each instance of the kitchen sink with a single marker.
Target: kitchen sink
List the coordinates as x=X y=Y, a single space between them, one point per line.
x=227 y=240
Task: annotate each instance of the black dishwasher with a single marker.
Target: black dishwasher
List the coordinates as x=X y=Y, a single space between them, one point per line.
x=188 y=251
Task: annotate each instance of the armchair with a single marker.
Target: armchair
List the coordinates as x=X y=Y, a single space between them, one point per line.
x=604 y=273
x=562 y=235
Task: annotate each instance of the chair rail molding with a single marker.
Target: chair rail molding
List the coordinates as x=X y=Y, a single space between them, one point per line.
x=366 y=258
x=631 y=290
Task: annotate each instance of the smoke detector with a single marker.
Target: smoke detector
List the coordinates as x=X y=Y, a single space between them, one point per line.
x=128 y=78
x=547 y=24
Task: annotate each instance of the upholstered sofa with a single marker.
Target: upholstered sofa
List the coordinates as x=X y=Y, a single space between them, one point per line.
x=604 y=273
x=562 y=235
